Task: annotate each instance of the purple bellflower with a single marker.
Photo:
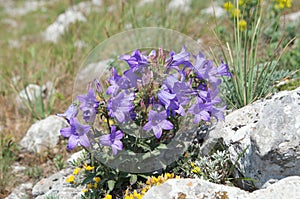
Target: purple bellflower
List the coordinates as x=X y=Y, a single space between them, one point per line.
x=89 y=105
x=76 y=133
x=135 y=60
x=113 y=140
x=177 y=59
x=98 y=85
x=121 y=106
x=157 y=121
x=71 y=112
x=200 y=110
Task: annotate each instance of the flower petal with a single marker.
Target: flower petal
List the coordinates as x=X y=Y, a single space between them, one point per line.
x=66 y=132
x=119 y=135
x=84 y=141
x=157 y=131
x=73 y=142
x=105 y=140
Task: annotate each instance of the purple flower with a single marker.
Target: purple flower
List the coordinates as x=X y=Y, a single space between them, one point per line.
x=113 y=140
x=135 y=60
x=203 y=67
x=98 y=85
x=76 y=133
x=200 y=110
x=157 y=121
x=121 y=106
x=89 y=105
x=177 y=59
x=166 y=98
x=71 y=112
x=119 y=82
x=223 y=70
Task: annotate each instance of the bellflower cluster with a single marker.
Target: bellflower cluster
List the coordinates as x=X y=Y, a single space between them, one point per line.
x=153 y=92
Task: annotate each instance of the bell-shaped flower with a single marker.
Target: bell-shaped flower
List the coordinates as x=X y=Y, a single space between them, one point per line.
x=113 y=140
x=157 y=121
x=77 y=134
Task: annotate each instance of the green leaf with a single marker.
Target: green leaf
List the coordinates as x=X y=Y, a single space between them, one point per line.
x=111 y=184
x=88 y=179
x=133 y=179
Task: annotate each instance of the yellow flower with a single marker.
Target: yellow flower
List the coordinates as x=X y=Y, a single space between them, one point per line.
x=70 y=179
x=192 y=164
x=196 y=170
x=88 y=167
x=169 y=175
x=228 y=6
x=129 y=196
x=177 y=177
x=241 y=2
x=242 y=25
x=108 y=196
x=95 y=186
x=154 y=180
x=89 y=185
x=136 y=195
x=76 y=170
x=97 y=179
x=84 y=190
x=236 y=13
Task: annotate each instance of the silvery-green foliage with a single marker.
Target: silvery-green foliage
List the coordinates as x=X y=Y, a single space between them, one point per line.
x=214 y=168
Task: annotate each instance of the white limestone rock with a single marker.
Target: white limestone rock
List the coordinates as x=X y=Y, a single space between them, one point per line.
x=269 y=132
x=43 y=134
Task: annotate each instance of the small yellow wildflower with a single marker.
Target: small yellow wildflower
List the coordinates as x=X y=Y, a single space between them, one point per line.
x=97 y=179
x=236 y=13
x=76 y=170
x=192 y=164
x=108 y=196
x=242 y=25
x=88 y=167
x=129 y=196
x=70 y=179
x=177 y=177
x=160 y=179
x=196 y=170
x=84 y=190
x=89 y=185
x=169 y=175
x=228 y=6
x=154 y=180
x=136 y=195
x=148 y=182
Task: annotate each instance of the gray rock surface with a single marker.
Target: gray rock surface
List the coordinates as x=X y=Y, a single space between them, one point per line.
x=63 y=21
x=21 y=191
x=43 y=134
x=183 y=5
x=33 y=92
x=56 y=185
x=292 y=16
x=12 y=9
x=214 y=11
x=70 y=16
x=267 y=133
x=196 y=188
